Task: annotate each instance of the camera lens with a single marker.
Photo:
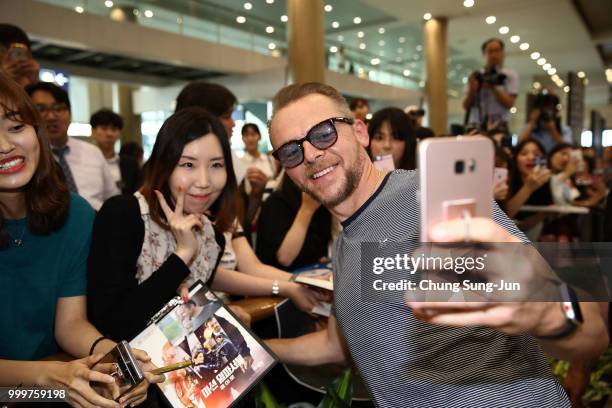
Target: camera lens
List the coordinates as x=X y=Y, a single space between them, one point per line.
x=459 y=166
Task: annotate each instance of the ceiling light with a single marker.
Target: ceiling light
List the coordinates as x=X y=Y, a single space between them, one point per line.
x=427 y=16
x=381 y=43
x=402 y=40
x=108 y=3
x=241 y=19
x=272 y=46
x=360 y=34
x=555 y=77
x=541 y=61
x=357 y=20
x=270 y=1
x=79 y=9
x=333 y=48
x=490 y=19
x=269 y=29
x=537 y=85
x=514 y=39
x=381 y=30
x=468 y=3
x=552 y=71
x=546 y=66
x=328 y=8
x=513 y=110
x=148 y=13
x=524 y=46
x=284 y=18
x=566 y=89
x=406 y=72
x=335 y=24
x=362 y=46
x=464 y=80
x=581 y=74
x=248 y=6
x=375 y=61
x=419 y=48
x=421 y=84
x=609 y=75
x=504 y=30
x=535 y=55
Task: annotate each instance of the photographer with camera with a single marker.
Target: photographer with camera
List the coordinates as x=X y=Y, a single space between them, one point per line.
x=545 y=124
x=490 y=92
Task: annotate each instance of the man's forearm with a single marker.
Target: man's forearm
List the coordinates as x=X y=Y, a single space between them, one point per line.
x=309 y=350
x=504 y=98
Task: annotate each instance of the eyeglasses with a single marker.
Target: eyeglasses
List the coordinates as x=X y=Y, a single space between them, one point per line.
x=56 y=108
x=323 y=135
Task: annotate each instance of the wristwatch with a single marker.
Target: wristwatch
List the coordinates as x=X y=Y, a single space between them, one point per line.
x=571 y=310
x=275 y=288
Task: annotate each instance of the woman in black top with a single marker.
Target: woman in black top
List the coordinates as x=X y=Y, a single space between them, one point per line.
x=391 y=132
x=293 y=230
x=148 y=247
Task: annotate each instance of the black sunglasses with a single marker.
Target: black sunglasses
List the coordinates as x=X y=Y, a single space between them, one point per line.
x=323 y=135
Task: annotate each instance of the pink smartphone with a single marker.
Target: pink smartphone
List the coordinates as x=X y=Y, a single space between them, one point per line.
x=455 y=176
x=501 y=173
x=384 y=162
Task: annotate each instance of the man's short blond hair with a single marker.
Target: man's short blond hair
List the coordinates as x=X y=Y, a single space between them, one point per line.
x=292 y=93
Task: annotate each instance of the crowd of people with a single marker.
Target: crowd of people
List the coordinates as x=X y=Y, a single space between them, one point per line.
x=102 y=240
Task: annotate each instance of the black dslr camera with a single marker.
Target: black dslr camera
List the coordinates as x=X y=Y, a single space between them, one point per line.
x=490 y=76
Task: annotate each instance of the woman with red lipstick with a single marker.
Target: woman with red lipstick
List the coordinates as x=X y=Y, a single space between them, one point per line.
x=148 y=246
x=44 y=242
x=529 y=185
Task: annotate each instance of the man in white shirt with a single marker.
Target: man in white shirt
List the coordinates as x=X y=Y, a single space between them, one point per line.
x=83 y=165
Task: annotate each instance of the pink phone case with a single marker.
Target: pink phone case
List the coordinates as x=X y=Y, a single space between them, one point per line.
x=446 y=194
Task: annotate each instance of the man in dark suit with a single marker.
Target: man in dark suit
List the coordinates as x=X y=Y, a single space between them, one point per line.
x=106 y=128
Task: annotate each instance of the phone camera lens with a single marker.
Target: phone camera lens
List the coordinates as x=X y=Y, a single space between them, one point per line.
x=472 y=165
x=459 y=166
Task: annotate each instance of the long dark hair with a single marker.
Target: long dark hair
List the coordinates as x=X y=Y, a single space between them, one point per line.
x=177 y=131
x=541 y=196
x=46 y=197
x=401 y=129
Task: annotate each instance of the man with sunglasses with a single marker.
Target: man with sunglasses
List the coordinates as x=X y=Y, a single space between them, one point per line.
x=84 y=168
x=418 y=362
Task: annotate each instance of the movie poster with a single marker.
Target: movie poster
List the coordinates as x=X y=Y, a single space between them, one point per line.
x=227 y=359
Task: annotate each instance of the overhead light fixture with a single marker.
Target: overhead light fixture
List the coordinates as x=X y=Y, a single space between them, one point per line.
x=375 y=61
x=555 y=77
x=514 y=39
x=328 y=8
x=566 y=89
x=241 y=19
x=381 y=43
x=270 y=1
x=422 y=84
x=427 y=16
x=272 y=46
x=513 y=110
x=609 y=75
x=581 y=74
x=148 y=13
x=108 y=3
x=535 y=55
x=524 y=46
x=360 y=34
x=464 y=80
x=552 y=71
x=79 y=9
x=333 y=48
x=335 y=24
x=504 y=30
x=546 y=66
x=402 y=40
x=362 y=46
x=537 y=85
x=357 y=20
x=491 y=20
x=284 y=18
x=269 y=29
x=541 y=61
x=381 y=30
x=248 y=6
x=468 y=3
x=406 y=72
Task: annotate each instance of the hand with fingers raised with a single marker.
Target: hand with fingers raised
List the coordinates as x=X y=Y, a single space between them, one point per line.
x=182 y=226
